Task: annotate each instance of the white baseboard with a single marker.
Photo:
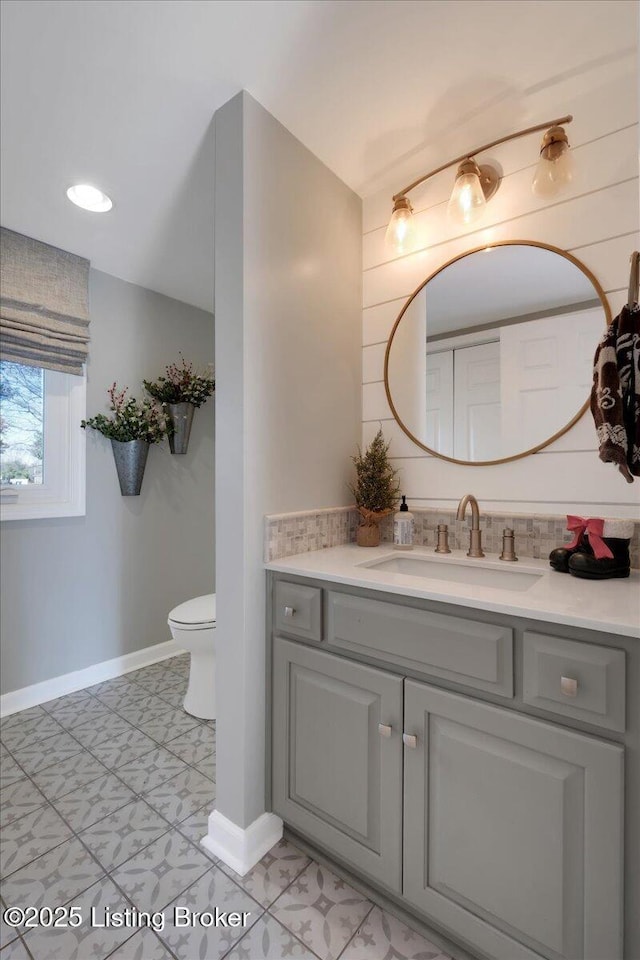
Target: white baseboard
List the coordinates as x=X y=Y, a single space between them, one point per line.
x=241 y=849
x=79 y=679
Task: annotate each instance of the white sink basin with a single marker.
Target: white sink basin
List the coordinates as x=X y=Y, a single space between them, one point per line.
x=472 y=572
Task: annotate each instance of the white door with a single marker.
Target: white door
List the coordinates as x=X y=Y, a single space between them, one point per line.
x=439 y=398
x=477 y=419
x=546 y=374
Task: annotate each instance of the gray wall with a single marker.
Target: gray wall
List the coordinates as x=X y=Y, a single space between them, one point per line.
x=77 y=591
x=288 y=333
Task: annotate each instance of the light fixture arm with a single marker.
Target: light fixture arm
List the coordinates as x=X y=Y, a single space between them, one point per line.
x=487 y=146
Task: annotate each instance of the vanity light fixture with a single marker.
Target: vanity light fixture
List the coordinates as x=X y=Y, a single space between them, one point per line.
x=400 y=233
x=555 y=166
x=473 y=187
x=475 y=184
x=89 y=198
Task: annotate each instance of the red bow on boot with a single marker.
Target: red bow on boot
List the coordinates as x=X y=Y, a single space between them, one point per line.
x=593 y=527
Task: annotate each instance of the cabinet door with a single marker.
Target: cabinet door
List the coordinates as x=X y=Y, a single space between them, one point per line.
x=336 y=776
x=513 y=830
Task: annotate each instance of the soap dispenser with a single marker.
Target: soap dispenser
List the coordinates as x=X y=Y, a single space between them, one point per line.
x=403 y=528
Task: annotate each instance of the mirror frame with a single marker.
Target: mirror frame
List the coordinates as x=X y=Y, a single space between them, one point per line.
x=498 y=243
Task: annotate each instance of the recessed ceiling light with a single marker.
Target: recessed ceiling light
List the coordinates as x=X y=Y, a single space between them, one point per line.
x=89 y=198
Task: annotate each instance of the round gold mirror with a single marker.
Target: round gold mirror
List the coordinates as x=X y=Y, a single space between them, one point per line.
x=491 y=358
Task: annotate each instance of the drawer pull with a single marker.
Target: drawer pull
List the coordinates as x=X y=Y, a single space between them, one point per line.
x=410 y=740
x=384 y=729
x=289 y=611
x=569 y=686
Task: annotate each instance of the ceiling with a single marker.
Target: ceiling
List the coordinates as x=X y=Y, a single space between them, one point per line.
x=501 y=283
x=121 y=93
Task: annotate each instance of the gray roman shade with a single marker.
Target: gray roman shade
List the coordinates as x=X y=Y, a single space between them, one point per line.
x=44 y=304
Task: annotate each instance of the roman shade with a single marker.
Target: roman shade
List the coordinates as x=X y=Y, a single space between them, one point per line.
x=44 y=304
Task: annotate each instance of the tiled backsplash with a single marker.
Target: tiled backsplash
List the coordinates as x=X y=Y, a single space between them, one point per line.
x=288 y=534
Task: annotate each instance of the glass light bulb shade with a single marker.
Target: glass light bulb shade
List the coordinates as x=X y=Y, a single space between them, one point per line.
x=400 y=235
x=467 y=203
x=551 y=176
x=89 y=198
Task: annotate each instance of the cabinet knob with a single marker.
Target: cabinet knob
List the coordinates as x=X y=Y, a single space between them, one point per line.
x=410 y=740
x=569 y=686
x=289 y=611
x=384 y=729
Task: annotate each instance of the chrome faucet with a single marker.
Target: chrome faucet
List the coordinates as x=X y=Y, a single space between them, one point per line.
x=475 y=533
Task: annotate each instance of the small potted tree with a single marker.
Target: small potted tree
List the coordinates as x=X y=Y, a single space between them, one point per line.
x=132 y=428
x=180 y=392
x=376 y=490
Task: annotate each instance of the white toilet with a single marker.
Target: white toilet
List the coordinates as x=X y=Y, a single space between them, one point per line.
x=193 y=627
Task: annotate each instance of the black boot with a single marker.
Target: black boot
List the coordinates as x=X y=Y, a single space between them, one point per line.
x=588 y=567
x=559 y=558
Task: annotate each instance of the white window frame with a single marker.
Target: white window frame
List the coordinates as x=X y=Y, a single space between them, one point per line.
x=62 y=494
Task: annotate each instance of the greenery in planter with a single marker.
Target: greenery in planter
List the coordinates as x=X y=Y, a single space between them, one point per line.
x=376 y=489
x=131 y=419
x=181 y=385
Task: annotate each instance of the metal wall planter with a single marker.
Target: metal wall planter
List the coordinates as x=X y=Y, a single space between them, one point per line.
x=181 y=417
x=131 y=458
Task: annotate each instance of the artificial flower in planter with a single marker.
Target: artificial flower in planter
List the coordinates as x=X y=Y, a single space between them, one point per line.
x=376 y=490
x=180 y=392
x=132 y=428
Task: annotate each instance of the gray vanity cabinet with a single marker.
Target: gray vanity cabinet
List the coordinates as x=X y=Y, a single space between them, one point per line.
x=513 y=829
x=337 y=756
x=496 y=823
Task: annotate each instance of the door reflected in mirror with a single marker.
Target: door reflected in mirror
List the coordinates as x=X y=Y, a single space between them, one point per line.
x=492 y=356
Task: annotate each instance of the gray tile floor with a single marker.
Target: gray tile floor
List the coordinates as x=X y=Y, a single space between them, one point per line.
x=105 y=795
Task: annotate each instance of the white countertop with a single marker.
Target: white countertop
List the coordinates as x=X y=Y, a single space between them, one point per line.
x=610 y=606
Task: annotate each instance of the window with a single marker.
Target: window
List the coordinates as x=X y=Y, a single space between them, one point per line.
x=42 y=447
x=44 y=327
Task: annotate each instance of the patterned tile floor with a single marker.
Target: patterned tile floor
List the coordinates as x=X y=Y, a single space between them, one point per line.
x=105 y=794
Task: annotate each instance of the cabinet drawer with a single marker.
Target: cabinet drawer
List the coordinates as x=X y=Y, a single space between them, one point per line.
x=298 y=610
x=578 y=679
x=475 y=654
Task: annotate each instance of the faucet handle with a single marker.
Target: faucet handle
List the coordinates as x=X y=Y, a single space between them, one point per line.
x=508 y=545
x=443 y=539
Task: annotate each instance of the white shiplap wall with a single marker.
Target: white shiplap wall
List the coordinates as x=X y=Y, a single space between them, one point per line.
x=597 y=220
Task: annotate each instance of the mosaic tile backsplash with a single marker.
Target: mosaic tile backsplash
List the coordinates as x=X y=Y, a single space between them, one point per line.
x=288 y=534
x=535 y=536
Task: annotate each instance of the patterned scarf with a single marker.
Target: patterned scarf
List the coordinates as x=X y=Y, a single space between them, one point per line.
x=615 y=394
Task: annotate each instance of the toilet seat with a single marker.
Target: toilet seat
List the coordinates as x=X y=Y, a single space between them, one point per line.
x=196 y=614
